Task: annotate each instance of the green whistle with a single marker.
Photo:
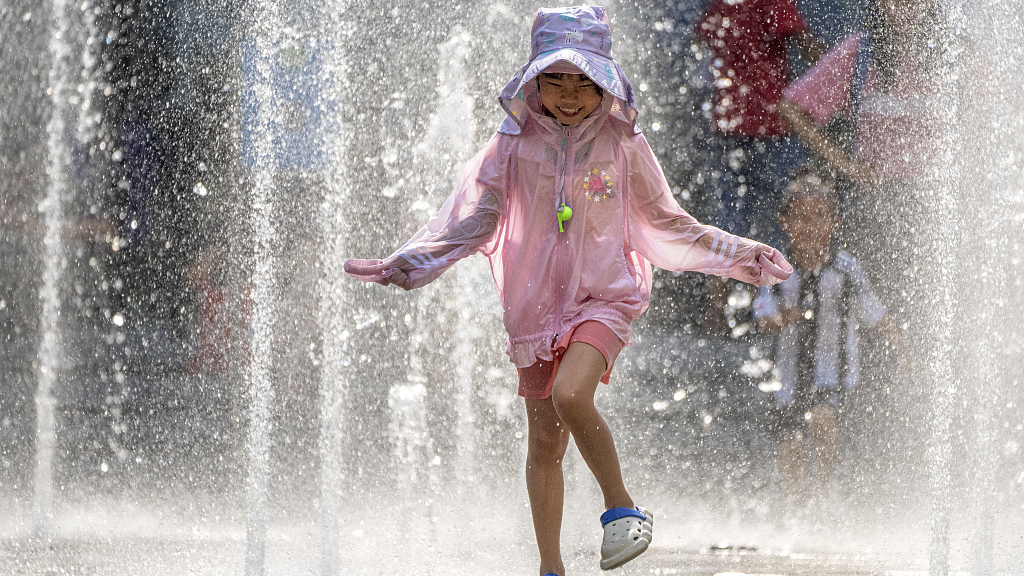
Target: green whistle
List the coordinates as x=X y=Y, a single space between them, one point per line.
x=564 y=213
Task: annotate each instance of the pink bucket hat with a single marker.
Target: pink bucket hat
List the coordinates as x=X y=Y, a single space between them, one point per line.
x=577 y=35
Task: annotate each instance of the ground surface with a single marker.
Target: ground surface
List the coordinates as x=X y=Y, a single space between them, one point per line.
x=153 y=556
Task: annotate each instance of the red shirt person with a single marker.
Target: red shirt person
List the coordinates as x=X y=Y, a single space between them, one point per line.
x=750 y=68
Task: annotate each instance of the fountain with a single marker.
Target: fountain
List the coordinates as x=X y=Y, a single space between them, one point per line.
x=181 y=182
x=268 y=52
x=53 y=210
x=69 y=90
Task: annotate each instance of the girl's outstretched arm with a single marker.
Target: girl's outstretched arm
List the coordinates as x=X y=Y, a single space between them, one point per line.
x=445 y=240
x=467 y=223
x=670 y=238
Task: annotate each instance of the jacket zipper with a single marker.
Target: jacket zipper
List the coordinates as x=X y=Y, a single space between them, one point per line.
x=562 y=241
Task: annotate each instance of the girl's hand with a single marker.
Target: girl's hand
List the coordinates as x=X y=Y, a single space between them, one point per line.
x=369 y=270
x=400 y=279
x=379 y=272
x=773 y=266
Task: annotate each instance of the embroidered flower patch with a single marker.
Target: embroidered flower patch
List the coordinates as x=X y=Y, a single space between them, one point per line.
x=598 y=185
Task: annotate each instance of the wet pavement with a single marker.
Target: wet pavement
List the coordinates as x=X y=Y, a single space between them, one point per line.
x=92 y=556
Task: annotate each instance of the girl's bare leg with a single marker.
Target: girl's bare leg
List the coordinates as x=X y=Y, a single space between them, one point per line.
x=573 y=398
x=547 y=441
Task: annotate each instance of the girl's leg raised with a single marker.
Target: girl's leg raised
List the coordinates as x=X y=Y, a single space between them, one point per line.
x=573 y=399
x=548 y=439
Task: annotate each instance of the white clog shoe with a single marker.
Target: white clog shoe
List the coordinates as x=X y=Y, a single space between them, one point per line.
x=627 y=533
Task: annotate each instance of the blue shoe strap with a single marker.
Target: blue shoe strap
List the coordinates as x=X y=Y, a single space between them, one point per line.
x=614 y=514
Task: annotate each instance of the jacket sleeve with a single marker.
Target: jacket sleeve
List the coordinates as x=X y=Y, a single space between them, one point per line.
x=467 y=223
x=666 y=235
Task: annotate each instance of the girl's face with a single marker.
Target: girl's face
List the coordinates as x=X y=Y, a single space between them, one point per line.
x=568 y=97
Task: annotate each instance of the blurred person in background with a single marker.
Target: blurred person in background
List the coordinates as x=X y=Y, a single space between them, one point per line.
x=818 y=314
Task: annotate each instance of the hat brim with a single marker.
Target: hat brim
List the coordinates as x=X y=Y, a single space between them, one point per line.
x=605 y=72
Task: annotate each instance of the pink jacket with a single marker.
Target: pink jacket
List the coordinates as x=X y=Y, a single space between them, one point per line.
x=624 y=219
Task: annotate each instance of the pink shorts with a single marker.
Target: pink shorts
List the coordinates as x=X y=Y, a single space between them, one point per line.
x=535 y=382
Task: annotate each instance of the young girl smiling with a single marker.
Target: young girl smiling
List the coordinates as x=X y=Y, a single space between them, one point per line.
x=570 y=206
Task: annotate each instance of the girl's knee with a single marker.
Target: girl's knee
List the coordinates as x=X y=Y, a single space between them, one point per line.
x=571 y=401
x=548 y=441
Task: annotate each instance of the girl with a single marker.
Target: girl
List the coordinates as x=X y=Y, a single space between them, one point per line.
x=570 y=206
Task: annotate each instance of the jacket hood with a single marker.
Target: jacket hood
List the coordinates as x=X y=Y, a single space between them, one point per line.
x=580 y=36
